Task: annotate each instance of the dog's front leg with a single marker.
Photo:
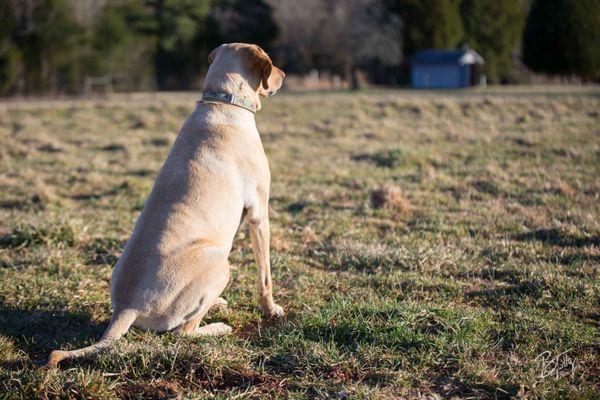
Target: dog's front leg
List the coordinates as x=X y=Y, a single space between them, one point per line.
x=260 y=236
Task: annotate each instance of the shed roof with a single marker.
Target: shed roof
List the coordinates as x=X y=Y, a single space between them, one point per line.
x=456 y=57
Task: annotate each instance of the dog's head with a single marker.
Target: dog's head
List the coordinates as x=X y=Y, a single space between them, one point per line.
x=264 y=77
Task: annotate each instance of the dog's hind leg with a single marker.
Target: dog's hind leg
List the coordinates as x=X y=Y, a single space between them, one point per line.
x=191 y=328
x=119 y=325
x=212 y=281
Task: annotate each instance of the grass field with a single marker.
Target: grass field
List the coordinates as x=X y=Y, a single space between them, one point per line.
x=424 y=245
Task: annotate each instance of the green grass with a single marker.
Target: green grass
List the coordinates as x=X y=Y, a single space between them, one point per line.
x=487 y=288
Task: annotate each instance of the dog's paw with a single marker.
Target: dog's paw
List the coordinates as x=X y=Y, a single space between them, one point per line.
x=275 y=311
x=219 y=328
x=220 y=303
x=214 y=329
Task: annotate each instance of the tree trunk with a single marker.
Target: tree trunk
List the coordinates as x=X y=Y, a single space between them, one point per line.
x=356 y=83
x=160 y=61
x=351 y=74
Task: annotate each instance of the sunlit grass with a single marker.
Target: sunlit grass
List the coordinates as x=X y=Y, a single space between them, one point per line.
x=476 y=277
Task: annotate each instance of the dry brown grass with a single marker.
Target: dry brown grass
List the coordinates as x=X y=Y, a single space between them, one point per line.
x=560 y=187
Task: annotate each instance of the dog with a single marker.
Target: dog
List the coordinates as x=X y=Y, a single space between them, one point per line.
x=174 y=267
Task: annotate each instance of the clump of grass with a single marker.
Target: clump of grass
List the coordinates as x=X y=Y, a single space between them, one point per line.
x=83 y=384
x=43 y=194
x=114 y=147
x=105 y=250
x=143 y=120
x=487 y=186
x=385 y=158
x=309 y=236
x=357 y=256
x=560 y=187
x=391 y=197
x=279 y=244
x=25 y=235
x=159 y=142
x=51 y=147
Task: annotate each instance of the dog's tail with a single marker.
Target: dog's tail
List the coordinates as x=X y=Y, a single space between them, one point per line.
x=119 y=325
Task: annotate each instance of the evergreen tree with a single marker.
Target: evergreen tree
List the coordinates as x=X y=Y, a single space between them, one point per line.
x=121 y=45
x=494 y=29
x=562 y=36
x=179 y=51
x=428 y=23
x=48 y=41
x=10 y=55
x=248 y=21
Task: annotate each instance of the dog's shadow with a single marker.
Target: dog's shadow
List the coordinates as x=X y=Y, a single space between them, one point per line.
x=36 y=332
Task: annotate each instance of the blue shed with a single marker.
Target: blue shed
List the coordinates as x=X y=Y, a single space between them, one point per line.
x=446 y=68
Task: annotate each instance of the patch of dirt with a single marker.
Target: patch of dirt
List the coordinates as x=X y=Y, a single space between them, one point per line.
x=158 y=390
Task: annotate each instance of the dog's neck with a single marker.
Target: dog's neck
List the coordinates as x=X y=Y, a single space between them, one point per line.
x=222 y=113
x=233 y=82
x=213 y=113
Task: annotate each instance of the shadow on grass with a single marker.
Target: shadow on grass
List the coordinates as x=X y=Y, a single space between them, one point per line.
x=37 y=332
x=359 y=258
x=98 y=194
x=573 y=259
x=509 y=295
x=450 y=387
x=387 y=158
x=509 y=275
x=556 y=237
x=14 y=204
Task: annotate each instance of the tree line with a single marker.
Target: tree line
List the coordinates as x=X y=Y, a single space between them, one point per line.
x=51 y=46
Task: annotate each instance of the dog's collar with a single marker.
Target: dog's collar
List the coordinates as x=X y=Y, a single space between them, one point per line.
x=228 y=98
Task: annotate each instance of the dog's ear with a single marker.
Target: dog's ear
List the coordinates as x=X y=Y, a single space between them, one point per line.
x=263 y=63
x=212 y=55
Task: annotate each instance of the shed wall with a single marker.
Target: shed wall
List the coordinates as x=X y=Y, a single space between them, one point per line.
x=439 y=76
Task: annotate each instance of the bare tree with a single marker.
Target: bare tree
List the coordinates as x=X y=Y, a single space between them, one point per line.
x=299 y=41
x=85 y=11
x=340 y=36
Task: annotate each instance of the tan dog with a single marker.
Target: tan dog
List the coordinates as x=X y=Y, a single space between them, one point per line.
x=174 y=267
